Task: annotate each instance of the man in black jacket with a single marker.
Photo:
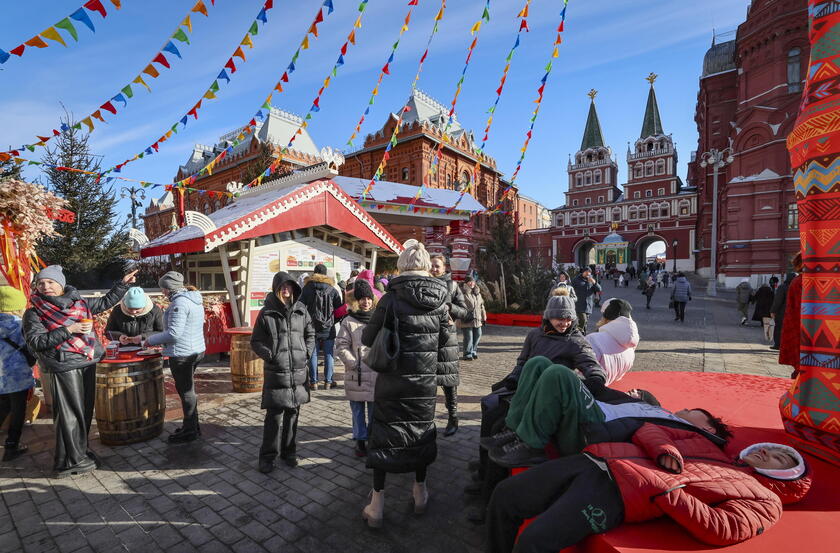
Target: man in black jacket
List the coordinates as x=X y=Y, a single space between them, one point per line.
x=457 y=311
x=585 y=287
x=321 y=300
x=777 y=310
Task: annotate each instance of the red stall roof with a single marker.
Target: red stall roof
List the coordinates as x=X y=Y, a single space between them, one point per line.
x=270 y=209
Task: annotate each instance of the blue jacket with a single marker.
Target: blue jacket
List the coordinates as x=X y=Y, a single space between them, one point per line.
x=15 y=372
x=682 y=290
x=184 y=323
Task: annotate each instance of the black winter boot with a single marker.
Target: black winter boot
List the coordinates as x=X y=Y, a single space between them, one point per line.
x=450 y=394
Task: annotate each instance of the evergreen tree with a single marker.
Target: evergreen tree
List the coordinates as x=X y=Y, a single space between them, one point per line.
x=10 y=170
x=90 y=249
x=257 y=166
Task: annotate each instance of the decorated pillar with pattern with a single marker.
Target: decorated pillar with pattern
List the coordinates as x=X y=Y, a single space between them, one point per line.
x=460 y=241
x=435 y=240
x=811 y=408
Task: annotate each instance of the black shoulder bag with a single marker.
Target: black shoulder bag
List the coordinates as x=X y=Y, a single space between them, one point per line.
x=23 y=350
x=383 y=354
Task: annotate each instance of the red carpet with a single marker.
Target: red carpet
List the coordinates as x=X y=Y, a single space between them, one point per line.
x=749 y=404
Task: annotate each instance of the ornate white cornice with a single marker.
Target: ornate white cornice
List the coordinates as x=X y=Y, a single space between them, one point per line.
x=200 y=220
x=299 y=176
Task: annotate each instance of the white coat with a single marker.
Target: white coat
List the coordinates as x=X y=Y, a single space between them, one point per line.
x=615 y=347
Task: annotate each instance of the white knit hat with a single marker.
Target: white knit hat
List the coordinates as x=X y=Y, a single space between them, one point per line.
x=414 y=257
x=778 y=474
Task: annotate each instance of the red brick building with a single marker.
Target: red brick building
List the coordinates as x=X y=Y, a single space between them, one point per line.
x=750 y=90
x=276 y=130
x=411 y=158
x=607 y=223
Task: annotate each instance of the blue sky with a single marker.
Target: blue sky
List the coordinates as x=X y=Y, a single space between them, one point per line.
x=609 y=45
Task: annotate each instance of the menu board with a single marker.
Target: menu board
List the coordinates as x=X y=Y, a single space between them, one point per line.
x=296 y=257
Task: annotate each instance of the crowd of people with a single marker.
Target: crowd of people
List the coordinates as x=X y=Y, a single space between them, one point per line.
x=595 y=456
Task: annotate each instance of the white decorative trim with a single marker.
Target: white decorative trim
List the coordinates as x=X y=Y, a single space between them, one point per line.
x=218 y=237
x=138 y=238
x=333 y=158
x=200 y=220
x=234 y=187
x=299 y=176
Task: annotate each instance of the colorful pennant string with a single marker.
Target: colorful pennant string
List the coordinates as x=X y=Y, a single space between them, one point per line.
x=209 y=94
x=540 y=91
x=316 y=103
x=405 y=208
x=475 y=31
x=66 y=24
x=265 y=108
x=145 y=184
x=479 y=152
x=384 y=71
x=405 y=109
x=126 y=92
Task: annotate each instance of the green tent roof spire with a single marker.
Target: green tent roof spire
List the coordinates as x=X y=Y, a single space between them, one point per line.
x=592 y=135
x=652 y=125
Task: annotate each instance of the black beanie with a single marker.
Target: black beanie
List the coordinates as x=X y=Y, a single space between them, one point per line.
x=615 y=308
x=362 y=289
x=320 y=269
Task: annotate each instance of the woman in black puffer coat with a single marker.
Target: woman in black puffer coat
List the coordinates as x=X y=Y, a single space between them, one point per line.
x=402 y=437
x=284 y=338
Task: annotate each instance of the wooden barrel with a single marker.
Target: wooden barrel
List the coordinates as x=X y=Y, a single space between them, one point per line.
x=246 y=369
x=130 y=399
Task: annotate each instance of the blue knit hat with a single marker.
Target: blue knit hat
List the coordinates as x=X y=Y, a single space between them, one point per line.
x=135 y=298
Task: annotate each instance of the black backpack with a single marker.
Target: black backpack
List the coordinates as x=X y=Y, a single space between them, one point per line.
x=322 y=309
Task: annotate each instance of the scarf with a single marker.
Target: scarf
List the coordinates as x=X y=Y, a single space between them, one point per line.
x=362 y=316
x=53 y=317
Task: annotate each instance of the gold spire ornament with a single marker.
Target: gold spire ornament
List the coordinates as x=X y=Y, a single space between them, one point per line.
x=592 y=93
x=651 y=78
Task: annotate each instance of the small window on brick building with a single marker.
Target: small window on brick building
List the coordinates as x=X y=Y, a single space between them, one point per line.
x=587 y=201
x=405 y=173
x=794 y=71
x=574 y=202
x=579 y=180
x=637 y=194
x=648 y=193
x=588 y=179
x=600 y=199
x=597 y=177
x=660 y=167
x=660 y=192
x=792 y=216
x=638 y=171
x=649 y=167
x=684 y=207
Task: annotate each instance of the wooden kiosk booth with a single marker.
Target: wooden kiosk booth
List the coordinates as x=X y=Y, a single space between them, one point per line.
x=290 y=224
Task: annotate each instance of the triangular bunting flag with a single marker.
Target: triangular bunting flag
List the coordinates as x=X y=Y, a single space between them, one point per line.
x=81 y=16
x=230 y=65
x=329 y=5
x=18 y=50
x=151 y=71
x=170 y=47
x=223 y=75
x=108 y=106
x=87 y=122
x=127 y=91
x=209 y=95
x=239 y=53
x=67 y=25
x=200 y=8
x=254 y=29
x=181 y=36
x=37 y=42
x=161 y=59
x=351 y=38
x=262 y=17
x=139 y=80
x=187 y=23
x=247 y=41
x=215 y=86
x=305 y=44
x=97 y=115
x=52 y=34
x=320 y=17
x=313 y=29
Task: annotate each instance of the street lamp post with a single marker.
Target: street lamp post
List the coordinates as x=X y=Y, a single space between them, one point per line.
x=718 y=159
x=136 y=195
x=674 y=245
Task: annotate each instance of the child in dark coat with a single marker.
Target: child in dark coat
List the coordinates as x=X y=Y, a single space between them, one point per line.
x=284 y=338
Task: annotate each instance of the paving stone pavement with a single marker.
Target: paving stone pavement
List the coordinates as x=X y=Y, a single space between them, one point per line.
x=208 y=496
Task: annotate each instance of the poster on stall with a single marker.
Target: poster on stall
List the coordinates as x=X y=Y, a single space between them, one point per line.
x=295 y=257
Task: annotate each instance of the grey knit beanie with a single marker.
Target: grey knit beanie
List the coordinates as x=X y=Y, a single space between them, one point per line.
x=173 y=280
x=52 y=272
x=414 y=257
x=560 y=307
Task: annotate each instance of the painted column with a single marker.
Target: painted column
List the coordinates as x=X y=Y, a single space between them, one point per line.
x=434 y=240
x=460 y=240
x=811 y=408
